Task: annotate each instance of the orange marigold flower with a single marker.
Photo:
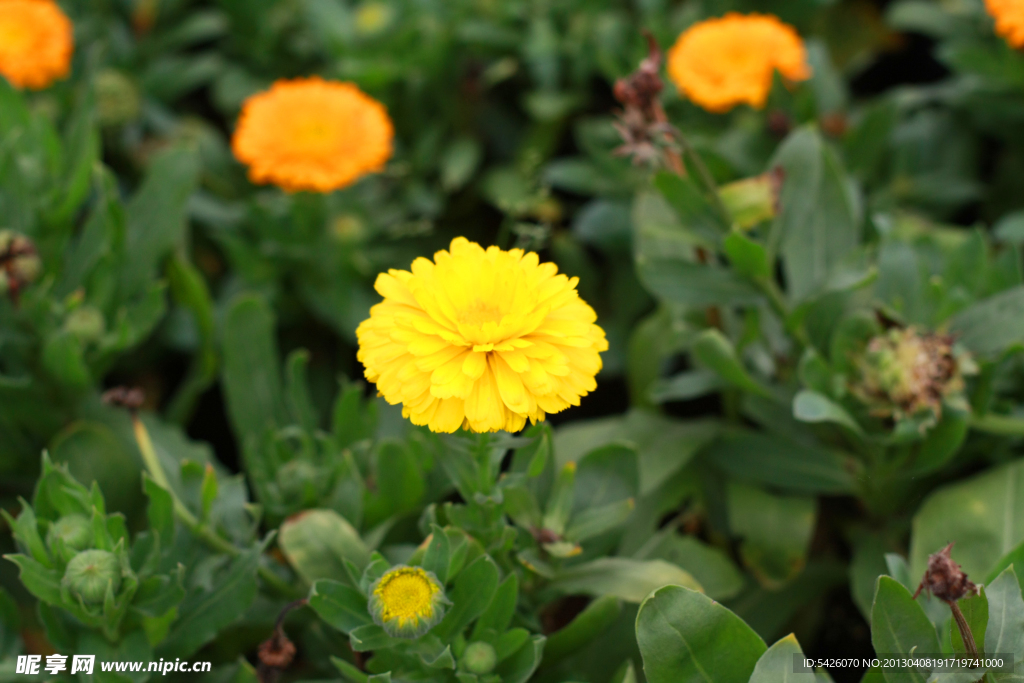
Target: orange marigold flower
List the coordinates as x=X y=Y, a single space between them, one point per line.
x=481 y=339
x=719 y=63
x=36 y=42
x=312 y=134
x=1009 y=16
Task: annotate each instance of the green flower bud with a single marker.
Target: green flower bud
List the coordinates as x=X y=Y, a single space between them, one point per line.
x=75 y=531
x=479 y=658
x=90 y=572
x=117 y=98
x=905 y=373
x=299 y=478
x=86 y=323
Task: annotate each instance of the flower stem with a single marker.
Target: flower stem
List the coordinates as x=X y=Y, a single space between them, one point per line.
x=965 y=630
x=198 y=528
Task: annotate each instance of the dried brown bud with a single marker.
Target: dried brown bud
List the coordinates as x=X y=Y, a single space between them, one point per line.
x=834 y=125
x=125 y=397
x=945 y=579
x=779 y=124
x=648 y=136
x=19 y=263
x=277 y=651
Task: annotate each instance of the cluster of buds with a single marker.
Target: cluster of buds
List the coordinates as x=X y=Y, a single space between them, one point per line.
x=905 y=373
x=19 y=263
x=86 y=553
x=649 y=138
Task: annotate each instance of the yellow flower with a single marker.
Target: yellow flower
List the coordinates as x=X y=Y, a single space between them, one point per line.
x=1009 y=16
x=480 y=339
x=36 y=42
x=312 y=134
x=719 y=63
x=407 y=601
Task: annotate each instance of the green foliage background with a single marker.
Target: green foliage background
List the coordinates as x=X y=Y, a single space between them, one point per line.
x=731 y=482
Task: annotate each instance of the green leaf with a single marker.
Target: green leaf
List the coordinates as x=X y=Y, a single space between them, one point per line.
x=899 y=626
x=777 y=461
x=40 y=581
x=499 y=613
x=776 y=532
x=251 y=380
x=189 y=290
x=339 y=604
x=594 y=620
x=621 y=577
x=300 y=403
x=598 y=520
x=1015 y=557
x=943 y=441
x=204 y=613
x=160 y=511
x=693 y=284
x=1004 y=631
x=156 y=214
x=459 y=162
x=712 y=350
x=980 y=514
x=975 y=611
x=819 y=223
x=709 y=566
x=685 y=637
x=438 y=555
x=64 y=360
x=695 y=210
x=776 y=665
x=810 y=406
x=520 y=665
x=470 y=596
x=992 y=326
x=317 y=543
x=748 y=257
x=559 y=507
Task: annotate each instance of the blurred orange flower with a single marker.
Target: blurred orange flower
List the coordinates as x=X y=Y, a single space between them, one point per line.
x=312 y=134
x=1009 y=16
x=719 y=63
x=36 y=43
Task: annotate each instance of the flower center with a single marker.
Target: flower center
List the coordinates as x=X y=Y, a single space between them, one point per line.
x=312 y=133
x=480 y=312
x=406 y=595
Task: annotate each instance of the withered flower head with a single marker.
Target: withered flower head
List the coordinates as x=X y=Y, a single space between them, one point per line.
x=648 y=136
x=277 y=651
x=905 y=373
x=944 y=578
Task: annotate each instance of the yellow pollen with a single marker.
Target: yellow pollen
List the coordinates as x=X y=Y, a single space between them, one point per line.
x=406 y=595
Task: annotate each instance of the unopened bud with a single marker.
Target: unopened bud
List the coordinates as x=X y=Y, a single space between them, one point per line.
x=89 y=573
x=75 y=533
x=479 y=658
x=86 y=323
x=117 y=98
